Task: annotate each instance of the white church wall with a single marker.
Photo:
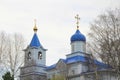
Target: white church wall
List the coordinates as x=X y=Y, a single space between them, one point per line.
x=51 y=73
x=75 y=54
x=101 y=75
x=74 y=69
x=109 y=75
x=41 y=61
x=77 y=68
x=84 y=68
x=32 y=69
x=78 y=46
x=34 y=60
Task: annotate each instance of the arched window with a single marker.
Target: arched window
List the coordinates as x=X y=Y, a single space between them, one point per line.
x=29 y=55
x=39 y=55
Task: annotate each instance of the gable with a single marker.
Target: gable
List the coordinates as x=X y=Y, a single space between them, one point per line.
x=60 y=64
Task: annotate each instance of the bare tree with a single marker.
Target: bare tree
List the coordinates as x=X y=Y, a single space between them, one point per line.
x=3 y=45
x=15 y=54
x=105 y=38
x=3 y=50
x=11 y=46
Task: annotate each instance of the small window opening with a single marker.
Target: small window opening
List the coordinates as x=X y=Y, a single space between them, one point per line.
x=29 y=55
x=39 y=55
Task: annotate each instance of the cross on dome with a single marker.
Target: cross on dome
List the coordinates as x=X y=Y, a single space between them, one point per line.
x=35 y=40
x=78 y=36
x=77 y=18
x=35 y=27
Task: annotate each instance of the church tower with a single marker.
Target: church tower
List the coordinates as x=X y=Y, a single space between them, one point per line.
x=34 y=60
x=78 y=42
x=76 y=59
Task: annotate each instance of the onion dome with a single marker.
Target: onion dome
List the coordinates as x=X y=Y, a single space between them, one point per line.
x=78 y=36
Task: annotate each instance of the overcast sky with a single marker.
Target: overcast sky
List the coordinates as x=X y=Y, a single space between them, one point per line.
x=55 y=21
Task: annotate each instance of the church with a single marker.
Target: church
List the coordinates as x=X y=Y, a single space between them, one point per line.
x=78 y=65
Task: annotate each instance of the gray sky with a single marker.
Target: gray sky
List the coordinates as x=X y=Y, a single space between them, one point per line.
x=55 y=20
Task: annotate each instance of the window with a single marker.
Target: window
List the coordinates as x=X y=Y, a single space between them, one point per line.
x=39 y=55
x=29 y=55
x=73 y=72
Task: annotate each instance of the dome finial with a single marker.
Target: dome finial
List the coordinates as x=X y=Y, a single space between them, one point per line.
x=35 y=27
x=77 y=18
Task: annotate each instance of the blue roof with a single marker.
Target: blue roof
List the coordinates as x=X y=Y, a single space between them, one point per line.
x=78 y=36
x=54 y=65
x=51 y=67
x=35 y=41
x=79 y=59
x=76 y=59
x=64 y=60
x=101 y=64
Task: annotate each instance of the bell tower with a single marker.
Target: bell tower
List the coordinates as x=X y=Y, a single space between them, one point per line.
x=34 y=60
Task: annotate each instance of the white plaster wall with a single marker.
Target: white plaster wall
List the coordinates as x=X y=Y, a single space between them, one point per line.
x=105 y=75
x=78 y=46
x=84 y=68
x=79 y=68
x=75 y=54
x=51 y=73
x=34 y=57
x=76 y=67
x=108 y=76
x=31 y=69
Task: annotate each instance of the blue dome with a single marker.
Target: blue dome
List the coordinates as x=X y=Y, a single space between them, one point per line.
x=78 y=36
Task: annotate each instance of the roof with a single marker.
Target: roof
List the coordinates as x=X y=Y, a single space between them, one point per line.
x=35 y=41
x=76 y=59
x=54 y=65
x=101 y=64
x=78 y=36
x=51 y=67
x=79 y=59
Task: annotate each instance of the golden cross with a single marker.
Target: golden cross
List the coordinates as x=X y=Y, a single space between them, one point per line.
x=78 y=18
x=35 y=27
x=35 y=22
